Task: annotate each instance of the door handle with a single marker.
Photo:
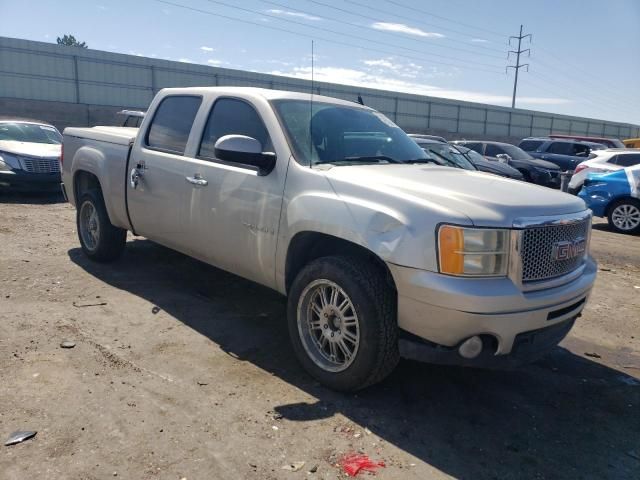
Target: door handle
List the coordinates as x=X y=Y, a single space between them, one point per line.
x=197 y=180
x=134 y=177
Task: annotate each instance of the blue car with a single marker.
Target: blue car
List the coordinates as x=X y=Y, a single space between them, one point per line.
x=615 y=196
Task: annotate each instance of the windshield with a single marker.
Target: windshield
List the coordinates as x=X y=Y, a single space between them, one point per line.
x=329 y=133
x=447 y=154
x=515 y=153
x=30 y=133
x=472 y=155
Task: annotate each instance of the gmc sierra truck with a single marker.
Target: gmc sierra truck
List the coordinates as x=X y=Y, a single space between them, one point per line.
x=381 y=251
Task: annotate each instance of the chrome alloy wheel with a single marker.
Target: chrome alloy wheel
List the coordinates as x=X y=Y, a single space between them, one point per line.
x=626 y=217
x=89 y=226
x=328 y=325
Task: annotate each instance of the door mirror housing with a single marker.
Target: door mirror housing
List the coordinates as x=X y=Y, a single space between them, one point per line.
x=244 y=150
x=503 y=157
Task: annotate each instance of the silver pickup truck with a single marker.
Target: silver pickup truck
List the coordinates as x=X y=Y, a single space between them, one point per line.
x=381 y=251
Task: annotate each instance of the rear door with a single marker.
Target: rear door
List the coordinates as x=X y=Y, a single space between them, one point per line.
x=159 y=203
x=562 y=154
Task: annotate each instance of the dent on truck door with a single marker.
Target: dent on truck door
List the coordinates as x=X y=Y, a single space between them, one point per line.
x=234 y=218
x=158 y=198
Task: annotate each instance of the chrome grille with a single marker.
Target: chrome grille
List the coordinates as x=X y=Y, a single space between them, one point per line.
x=40 y=165
x=538 y=262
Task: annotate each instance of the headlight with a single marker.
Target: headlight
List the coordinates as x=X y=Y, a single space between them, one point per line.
x=9 y=162
x=482 y=252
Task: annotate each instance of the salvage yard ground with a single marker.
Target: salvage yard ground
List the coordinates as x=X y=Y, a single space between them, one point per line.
x=181 y=370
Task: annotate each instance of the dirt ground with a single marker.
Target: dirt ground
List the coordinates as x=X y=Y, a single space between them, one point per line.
x=183 y=371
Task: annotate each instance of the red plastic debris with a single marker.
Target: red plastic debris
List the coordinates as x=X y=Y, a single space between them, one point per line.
x=355 y=463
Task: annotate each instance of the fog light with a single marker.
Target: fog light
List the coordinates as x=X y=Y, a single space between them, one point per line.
x=471 y=347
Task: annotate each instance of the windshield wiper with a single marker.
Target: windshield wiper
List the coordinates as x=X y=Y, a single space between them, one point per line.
x=449 y=161
x=372 y=158
x=422 y=160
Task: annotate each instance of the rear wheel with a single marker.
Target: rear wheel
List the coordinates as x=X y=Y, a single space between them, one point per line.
x=624 y=216
x=100 y=240
x=342 y=323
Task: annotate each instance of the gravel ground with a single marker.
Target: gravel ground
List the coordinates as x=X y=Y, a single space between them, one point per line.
x=181 y=370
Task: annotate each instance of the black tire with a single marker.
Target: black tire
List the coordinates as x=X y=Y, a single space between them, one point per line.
x=629 y=202
x=374 y=302
x=110 y=241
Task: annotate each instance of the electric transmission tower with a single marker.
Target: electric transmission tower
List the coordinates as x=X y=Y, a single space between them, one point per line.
x=518 y=65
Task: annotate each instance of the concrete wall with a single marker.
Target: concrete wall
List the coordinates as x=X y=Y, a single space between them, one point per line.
x=74 y=86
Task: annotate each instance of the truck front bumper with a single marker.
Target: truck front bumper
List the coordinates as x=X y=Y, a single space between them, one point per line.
x=437 y=313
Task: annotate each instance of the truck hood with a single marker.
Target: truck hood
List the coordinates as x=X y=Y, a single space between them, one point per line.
x=41 y=150
x=485 y=199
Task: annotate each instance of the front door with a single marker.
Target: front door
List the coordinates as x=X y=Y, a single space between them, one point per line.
x=235 y=211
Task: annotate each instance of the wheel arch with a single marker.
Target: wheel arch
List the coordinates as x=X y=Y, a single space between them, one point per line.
x=307 y=246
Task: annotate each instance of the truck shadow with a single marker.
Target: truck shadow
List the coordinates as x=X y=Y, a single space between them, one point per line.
x=31 y=198
x=563 y=417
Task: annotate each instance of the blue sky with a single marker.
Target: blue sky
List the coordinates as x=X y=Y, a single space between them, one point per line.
x=585 y=54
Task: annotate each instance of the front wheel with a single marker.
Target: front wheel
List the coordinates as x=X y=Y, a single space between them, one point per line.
x=624 y=216
x=100 y=240
x=342 y=323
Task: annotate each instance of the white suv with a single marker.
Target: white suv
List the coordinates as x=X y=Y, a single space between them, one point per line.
x=608 y=160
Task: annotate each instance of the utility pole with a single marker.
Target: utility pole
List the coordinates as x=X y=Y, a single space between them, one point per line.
x=518 y=66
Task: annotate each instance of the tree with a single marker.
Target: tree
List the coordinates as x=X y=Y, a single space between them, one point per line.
x=70 y=41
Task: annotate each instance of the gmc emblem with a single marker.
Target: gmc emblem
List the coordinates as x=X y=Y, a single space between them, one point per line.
x=569 y=249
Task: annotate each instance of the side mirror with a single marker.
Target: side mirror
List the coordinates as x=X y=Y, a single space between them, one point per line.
x=503 y=158
x=245 y=151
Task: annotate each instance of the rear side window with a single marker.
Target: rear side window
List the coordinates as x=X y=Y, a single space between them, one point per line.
x=476 y=147
x=230 y=116
x=530 y=145
x=579 y=149
x=629 y=160
x=169 y=130
x=561 y=148
x=493 y=150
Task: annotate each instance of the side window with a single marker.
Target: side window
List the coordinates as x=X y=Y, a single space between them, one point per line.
x=172 y=121
x=580 y=150
x=232 y=117
x=613 y=160
x=629 y=160
x=561 y=148
x=530 y=145
x=474 y=146
x=493 y=150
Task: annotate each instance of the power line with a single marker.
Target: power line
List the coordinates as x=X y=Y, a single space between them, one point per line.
x=518 y=66
x=362 y=15
x=426 y=12
x=327 y=40
x=349 y=35
x=368 y=28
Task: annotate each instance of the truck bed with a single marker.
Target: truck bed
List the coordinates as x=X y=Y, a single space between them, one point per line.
x=117 y=135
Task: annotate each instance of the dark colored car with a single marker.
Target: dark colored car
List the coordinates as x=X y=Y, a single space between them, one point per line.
x=490 y=166
x=567 y=154
x=444 y=154
x=532 y=169
x=607 y=142
x=29 y=156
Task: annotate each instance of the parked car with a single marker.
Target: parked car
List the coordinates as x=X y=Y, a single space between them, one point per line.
x=428 y=137
x=632 y=143
x=603 y=161
x=444 y=154
x=615 y=195
x=381 y=252
x=29 y=156
x=462 y=157
x=533 y=170
x=607 y=142
x=132 y=118
x=490 y=166
x=567 y=154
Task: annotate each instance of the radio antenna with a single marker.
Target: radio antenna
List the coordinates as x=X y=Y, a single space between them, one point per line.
x=311 y=108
